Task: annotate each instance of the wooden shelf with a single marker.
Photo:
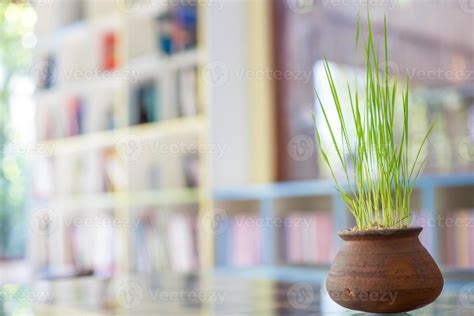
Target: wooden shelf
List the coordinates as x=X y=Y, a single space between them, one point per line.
x=132 y=199
x=155 y=62
x=116 y=137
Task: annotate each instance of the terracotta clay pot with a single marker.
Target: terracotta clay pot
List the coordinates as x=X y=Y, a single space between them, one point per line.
x=384 y=271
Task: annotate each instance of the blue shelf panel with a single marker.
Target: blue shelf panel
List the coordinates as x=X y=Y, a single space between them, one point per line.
x=444 y=181
x=290 y=274
x=319 y=274
x=277 y=190
x=324 y=187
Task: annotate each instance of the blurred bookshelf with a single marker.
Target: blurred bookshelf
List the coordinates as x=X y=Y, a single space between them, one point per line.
x=117 y=87
x=89 y=123
x=277 y=202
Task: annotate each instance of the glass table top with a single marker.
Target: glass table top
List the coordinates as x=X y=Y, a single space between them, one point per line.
x=218 y=295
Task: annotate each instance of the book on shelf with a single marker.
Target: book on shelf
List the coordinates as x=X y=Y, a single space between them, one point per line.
x=147 y=172
x=246 y=241
x=90 y=172
x=75 y=112
x=144 y=104
x=457 y=239
x=306 y=238
x=177 y=28
x=181 y=242
x=66 y=115
x=109 y=48
x=87 y=247
x=240 y=243
x=114 y=171
x=100 y=110
x=149 y=246
x=187 y=91
x=43 y=177
x=163 y=243
x=191 y=164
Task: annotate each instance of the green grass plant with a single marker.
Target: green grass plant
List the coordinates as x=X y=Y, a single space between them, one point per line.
x=379 y=175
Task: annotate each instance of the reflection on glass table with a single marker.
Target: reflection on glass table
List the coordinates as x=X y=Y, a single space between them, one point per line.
x=219 y=295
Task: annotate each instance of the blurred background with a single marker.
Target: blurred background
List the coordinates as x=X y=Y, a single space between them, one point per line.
x=172 y=141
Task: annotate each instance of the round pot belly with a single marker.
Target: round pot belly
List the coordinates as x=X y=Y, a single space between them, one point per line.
x=384 y=271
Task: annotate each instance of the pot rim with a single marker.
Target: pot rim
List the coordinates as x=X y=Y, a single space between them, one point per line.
x=376 y=233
